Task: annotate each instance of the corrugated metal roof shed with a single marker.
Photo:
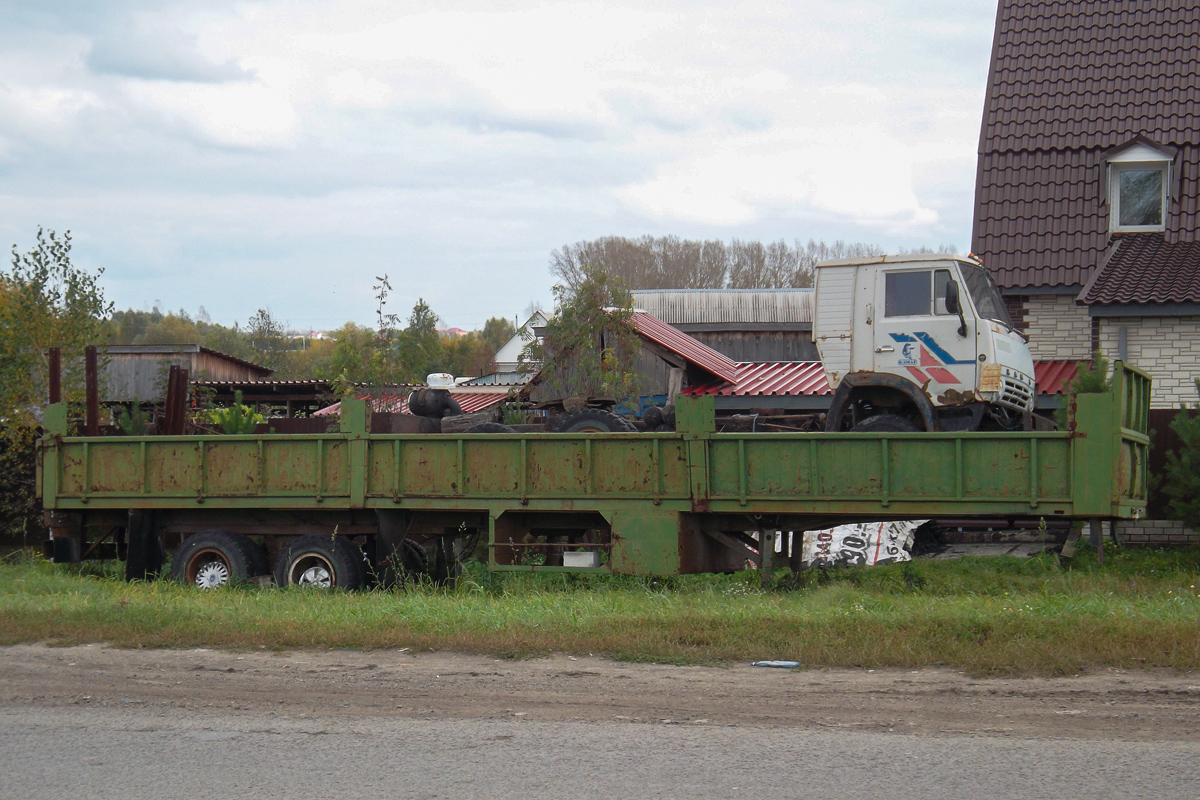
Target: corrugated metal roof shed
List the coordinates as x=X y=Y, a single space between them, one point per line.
x=685 y=346
x=1071 y=80
x=694 y=306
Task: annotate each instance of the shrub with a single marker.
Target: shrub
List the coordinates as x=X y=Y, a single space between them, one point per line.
x=1181 y=482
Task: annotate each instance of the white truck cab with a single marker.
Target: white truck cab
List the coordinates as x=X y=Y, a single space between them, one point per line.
x=919 y=342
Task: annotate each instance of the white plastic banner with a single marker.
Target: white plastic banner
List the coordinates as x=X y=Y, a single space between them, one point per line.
x=860 y=543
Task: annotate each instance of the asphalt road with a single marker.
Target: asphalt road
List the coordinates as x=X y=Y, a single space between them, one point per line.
x=94 y=722
x=104 y=753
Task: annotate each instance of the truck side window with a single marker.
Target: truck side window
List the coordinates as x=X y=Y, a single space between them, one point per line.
x=907 y=294
x=941 y=277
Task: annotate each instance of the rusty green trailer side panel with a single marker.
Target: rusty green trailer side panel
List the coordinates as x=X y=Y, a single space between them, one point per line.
x=640 y=483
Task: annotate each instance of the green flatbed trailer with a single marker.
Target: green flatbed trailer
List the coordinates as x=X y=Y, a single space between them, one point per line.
x=633 y=503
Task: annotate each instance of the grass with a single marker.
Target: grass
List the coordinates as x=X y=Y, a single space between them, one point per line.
x=992 y=615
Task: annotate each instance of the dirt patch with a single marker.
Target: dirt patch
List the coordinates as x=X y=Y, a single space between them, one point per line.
x=1113 y=704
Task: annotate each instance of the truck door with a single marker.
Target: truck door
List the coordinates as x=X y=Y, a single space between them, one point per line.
x=916 y=337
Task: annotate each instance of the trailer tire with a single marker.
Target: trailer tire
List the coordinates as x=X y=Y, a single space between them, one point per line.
x=886 y=423
x=322 y=561
x=211 y=559
x=594 y=420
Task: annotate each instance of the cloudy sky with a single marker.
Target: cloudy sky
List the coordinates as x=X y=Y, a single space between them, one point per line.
x=237 y=155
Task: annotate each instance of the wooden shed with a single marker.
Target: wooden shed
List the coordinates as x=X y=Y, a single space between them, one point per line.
x=138 y=372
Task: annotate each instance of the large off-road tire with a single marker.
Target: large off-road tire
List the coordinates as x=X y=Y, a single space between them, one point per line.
x=886 y=423
x=450 y=407
x=211 y=559
x=321 y=561
x=490 y=427
x=594 y=420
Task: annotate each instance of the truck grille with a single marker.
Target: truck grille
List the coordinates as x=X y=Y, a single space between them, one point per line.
x=1016 y=390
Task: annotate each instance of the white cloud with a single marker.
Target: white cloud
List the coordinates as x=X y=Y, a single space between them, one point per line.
x=233 y=114
x=459 y=142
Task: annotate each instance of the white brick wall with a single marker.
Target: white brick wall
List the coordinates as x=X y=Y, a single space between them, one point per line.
x=1166 y=347
x=1156 y=531
x=1057 y=327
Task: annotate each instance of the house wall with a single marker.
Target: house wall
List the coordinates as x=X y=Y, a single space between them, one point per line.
x=1166 y=347
x=1156 y=531
x=1057 y=327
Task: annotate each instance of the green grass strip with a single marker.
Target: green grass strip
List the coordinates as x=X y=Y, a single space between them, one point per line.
x=992 y=615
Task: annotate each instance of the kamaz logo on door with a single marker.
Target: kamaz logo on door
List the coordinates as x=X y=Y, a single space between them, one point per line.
x=925 y=359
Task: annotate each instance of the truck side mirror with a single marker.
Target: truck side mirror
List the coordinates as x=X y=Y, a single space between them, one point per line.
x=952 y=297
x=955 y=307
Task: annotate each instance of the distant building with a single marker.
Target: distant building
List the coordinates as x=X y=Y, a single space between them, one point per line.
x=138 y=372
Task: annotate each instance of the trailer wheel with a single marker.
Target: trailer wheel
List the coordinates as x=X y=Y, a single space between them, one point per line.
x=321 y=561
x=212 y=559
x=594 y=420
x=886 y=423
x=490 y=427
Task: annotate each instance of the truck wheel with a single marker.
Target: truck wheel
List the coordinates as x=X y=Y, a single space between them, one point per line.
x=593 y=420
x=212 y=559
x=886 y=423
x=490 y=427
x=321 y=561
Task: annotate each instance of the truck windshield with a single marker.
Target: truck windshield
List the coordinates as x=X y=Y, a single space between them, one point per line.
x=985 y=293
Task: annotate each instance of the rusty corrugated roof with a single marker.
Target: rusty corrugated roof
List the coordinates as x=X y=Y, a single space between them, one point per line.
x=686 y=347
x=808 y=378
x=1071 y=80
x=771 y=378
x=1144 y=268
x=1053 y=377
x=480 y=399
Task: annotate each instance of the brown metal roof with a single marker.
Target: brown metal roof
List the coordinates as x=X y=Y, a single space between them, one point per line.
x=692 y=350
x=1144 y=268
x=1079 y=74
x=1069 y=82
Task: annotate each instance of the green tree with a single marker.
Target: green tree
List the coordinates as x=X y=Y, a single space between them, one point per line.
x=591 y=344
x=497 y=331
x=45 y=301
x=267 y=336
x=420 y=343
x=354 y=347
x=467 y=356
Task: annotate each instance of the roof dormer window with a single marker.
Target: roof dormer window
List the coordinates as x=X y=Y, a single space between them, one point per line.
x=1138 y=179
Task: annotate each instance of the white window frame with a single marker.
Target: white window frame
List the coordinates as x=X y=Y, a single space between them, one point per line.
x=1138 y=158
